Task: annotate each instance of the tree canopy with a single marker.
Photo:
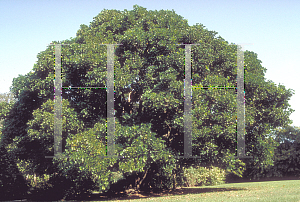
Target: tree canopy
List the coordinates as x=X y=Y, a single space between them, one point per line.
x=149 y=102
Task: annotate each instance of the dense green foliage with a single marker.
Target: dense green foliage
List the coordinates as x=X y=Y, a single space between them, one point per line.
x=149 y=104
x=203 y=176
x=12 y=183
x=287 y=153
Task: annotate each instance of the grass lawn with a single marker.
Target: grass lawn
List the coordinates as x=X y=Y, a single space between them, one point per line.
x=285 y=190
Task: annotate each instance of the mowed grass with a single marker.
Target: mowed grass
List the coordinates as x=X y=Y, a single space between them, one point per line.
x=286 y=190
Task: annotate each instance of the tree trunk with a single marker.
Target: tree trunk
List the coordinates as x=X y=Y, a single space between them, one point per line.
x=34 y=178
x=140 y=107
x=141 y=181
x=174 y=181
x=129 y=99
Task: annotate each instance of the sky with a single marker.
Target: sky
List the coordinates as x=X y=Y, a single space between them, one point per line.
x=270 y=26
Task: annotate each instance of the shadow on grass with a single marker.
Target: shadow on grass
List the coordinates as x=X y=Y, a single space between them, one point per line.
x=179 y=191
x=140 y=195
x=265 y=179
x=131 y=194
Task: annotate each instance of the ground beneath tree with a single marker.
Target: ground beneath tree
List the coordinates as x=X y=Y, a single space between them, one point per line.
x=132 y=194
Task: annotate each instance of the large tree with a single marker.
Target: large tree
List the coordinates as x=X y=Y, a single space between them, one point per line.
x=149 y=95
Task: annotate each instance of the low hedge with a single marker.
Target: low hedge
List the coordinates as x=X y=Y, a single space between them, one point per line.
x=199 y=176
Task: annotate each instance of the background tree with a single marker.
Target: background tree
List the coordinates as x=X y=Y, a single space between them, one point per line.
x=286 y=158
x=12 y=183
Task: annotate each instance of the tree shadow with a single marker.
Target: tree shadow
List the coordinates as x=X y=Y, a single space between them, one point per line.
x=266 y=179
x=151 y=194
